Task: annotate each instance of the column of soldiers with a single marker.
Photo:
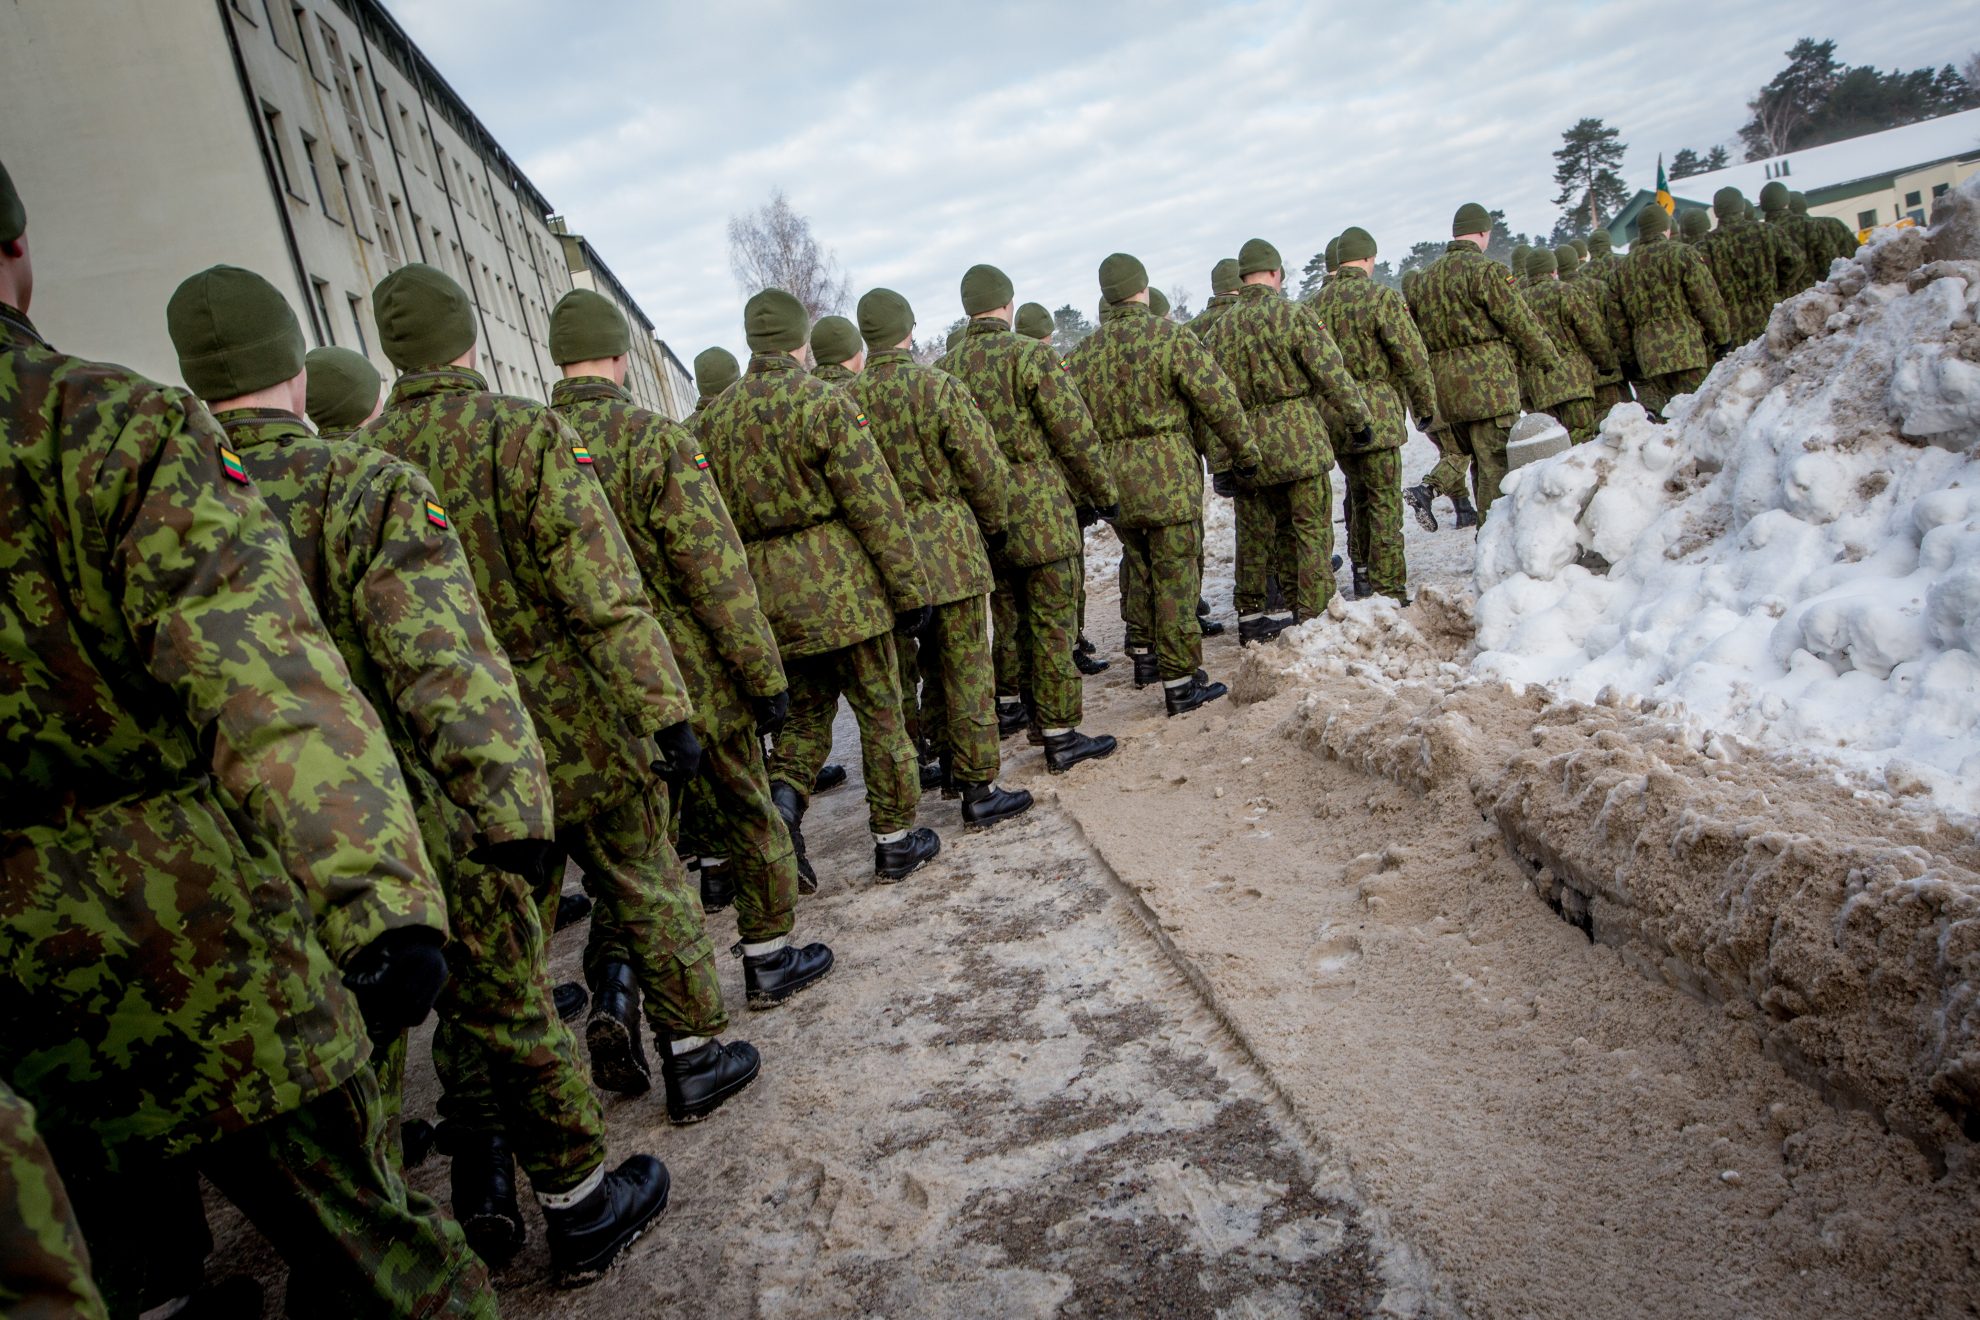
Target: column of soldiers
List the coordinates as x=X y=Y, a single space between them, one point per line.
x=316 y=686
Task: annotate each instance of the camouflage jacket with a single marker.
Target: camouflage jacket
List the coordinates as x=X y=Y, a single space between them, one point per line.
x=1473 y=325
x=1575 y=320
x=1289 y=376
x=1056 y=460
x=835 y=373
x=1372 y=328
x=1794 y=272
x=561 y=588
x=1664 y=310
x=1815 y=247
x=398 y=599
x=171 y=953
x=44 y=1263
x=819 y=513
x=953 y=478
x=1742 y=262
x=694 y=564
x=1213 y=312
x=1600 y=266
x=1840 y=241
x=1148 y=383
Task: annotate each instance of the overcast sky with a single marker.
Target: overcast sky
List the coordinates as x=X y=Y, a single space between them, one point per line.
x=922 y=137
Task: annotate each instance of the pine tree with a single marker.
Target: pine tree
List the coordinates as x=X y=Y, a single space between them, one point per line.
x=1585 y=170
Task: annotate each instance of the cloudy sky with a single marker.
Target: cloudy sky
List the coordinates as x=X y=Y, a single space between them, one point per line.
x=922 y=137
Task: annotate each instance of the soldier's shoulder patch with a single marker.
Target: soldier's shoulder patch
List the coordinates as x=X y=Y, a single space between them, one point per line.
x=859 y=420
x=581 y=452
x=435 y=514
x=701 y=460
x=230 y=464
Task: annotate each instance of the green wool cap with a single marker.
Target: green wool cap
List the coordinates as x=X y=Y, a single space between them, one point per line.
x=1224 y=276
x=1600 y=242
x=584 y=326
x=1518 y=259
x=835 y=339
x=1257 y=255
x=885 y=319
x=774 y=322
x=1728 y=202
x=956 y=336
x=1581 y=248
x=1694 y=223
x=1798 y=203
x=1653 y=220
x=343 y=388
x=1158 y=302
x=985 y=289
x=424 y=318
x=1034 y=321
x=1774 y=197
x=1356 y=244
x=235 y=333
x=1540 y=261
x=1330 y=256
x=1471 y=218
x=1121 y=277
x=1566 y=259
x=13 y=215
x=715 y=369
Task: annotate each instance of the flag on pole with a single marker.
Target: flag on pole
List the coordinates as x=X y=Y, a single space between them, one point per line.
x=1664 y=198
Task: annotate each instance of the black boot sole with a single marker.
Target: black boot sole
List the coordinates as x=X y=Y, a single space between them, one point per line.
x=760 y=1002
x=613 y=1065
x=595 y=1269
x=1196 y=705
x=895 y=877
x=989 y=822
x=708 y=1107
x=1059 y=768
x=495 y=1238
x=1426 y=514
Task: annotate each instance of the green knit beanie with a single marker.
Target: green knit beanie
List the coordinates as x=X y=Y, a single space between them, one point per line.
x=1356 y=244
x=1540 y=261
x=1581 y=248
x=1158 y=302
x=956 y=336
x=1798 y=203
x=1121 y=277
x=774 y=322
x=1694 y=223
x=1518 y=258
x=1566 y=260
x=1728 y=202
x=834 y=339
x=584 y=326
x=235 y=333
x=1224 y=276
x=424 y=318
x=13 y=215
x=1257 y=255
x=1599 y=243
x=1774 y=197
x=885 y=319
x=985 y=289
x=1330 y=256
x=343 y=388
x=1034 y=321
x=1471 y=218
x=1653 y=220
x=715 y=369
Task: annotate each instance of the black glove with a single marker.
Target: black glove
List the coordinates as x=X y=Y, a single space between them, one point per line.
x=994 y=542
x=1106 y=512
x=1224 y=484
x=680 y=755
x=771 y=712
x=396 y=978
x=1723 y=349
x=539 y=861
x=1363 y=439
x=914 y=622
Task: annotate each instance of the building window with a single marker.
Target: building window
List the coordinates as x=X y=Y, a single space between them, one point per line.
x=357 y=322
x=419 y=157
x=296 y=12
x=316 y=177
x=1866 y=219
x=1939 y=190
x=271 y=121
x=276 y=33
x=241 y=8
x=405 y=141
x=322 y=290
x=344 y=189
x=1913 y=199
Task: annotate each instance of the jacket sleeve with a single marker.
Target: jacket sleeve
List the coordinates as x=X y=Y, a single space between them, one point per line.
x=974 y=456
x=1617 y=322
x=1515 y=321
x=1588 y=326
x=1707 y=304
x=1409 y=362
x=423 y=625
x=204 y=579
x=870 y=500
x=1056 y=402
x=710 y=566
x=1213 y=400
x=1320 y=359
x=594 y=584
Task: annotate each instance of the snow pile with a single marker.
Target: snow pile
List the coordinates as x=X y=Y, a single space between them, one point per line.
x=1795 y=559
x=1373 y=639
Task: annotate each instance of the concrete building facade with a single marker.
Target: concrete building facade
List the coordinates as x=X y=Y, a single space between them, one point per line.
x=308 y=140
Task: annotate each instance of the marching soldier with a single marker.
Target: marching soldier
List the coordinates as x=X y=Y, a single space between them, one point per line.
x=1743 y=265
x=1665 y=314
x=345 y=391
x=836 y=354
x=1574 y=320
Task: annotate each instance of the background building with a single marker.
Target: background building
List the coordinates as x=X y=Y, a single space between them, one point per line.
x=309 y=140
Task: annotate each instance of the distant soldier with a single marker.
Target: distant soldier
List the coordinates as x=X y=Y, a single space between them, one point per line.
x=1693 y=225
x=1598 y=264
x=1794 y=253
x=1581 y=249
x=1572 y=314
x=1034 y=322
x=1742 y=262
x=564 y=596
x=836 y=570
x=1147 y=381
x=1834 y=240
x=1665 y=314
x=1158 y=303
x=1479 y=333
x=1255 y=589
x=345 y=391
x=1447 y=478
x=955 y=337
x=1378 y=341
x=836 y=353
x=1059 y=484
x=715 y=369
x=1602 y=257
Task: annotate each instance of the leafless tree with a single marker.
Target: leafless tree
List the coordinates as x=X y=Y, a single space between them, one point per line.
x=773 y=247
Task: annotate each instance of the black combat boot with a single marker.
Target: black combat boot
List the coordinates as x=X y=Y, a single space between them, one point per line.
x=1146 y=668
x=718 y=887
x=1186 y=697
x=699 y=1080
x=785 y=799
x=830 y=776
x=1419 y=498
x=586 y=1238
x=1275 y=599
x=1084 y=645
x=777 y=973
x=1263 y=628
x=1065 y=750
x=416 y=1138
x=1209 y=626
x=1361 y=589
x=570 y=999
x=905 y=855
x=931 y=774
x=571 y=909
x=983 y=805
x=1466 y=515
x=484 y=1192
x=1335 y=563
x=1011 y=716
x=618 y=1055
x=1087 y=663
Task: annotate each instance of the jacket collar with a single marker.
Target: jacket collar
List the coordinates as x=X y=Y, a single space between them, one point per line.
x=579 y=389
x=15 y=328
x=772 y=364
x=436 y=380
x=249 y=426
x=887 y=356
x=1124 y=311
x=1349 y=273
x=1256 y=292
x=988 y=325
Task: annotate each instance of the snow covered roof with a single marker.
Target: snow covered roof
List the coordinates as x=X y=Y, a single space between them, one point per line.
x=1873 y=154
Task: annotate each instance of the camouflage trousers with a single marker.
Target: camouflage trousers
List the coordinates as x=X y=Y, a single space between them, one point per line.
x=867 y=675
x=1485 y=442
x=1303 y=512
x=1006 y=647
x=1159 y=565
x=734 y=821
x=1579 y=418
x=958 y=697
x=648 y=914
x=1259 y=551
x=319 y=1184
x=44 y=1266
x=1609 y=395
x=1375 y=513
x=1656 y=393
x=1047 y=602
x=1453 y=463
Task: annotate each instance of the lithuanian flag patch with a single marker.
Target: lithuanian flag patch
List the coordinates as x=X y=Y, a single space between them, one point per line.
x=435 y=514
x=701 y=461
x=859 y=419
x=230 y=463
x=581 y=453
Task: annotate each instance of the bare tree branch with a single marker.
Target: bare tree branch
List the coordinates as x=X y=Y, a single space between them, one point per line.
x=773 y=248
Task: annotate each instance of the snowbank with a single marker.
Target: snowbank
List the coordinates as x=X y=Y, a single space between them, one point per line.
x=1795 y=559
